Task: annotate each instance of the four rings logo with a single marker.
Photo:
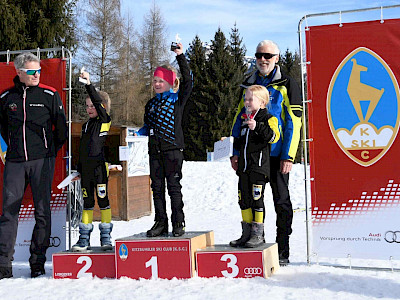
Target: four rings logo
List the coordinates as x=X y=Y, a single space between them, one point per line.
x=54 y=241
x=253 y=271
x=392 y=236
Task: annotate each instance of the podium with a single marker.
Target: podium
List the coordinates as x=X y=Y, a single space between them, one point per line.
x=226 y=261
x=91 y=263
x=161 y=257
x=183 y=257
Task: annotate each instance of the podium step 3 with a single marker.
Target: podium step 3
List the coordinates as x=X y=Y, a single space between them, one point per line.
x=227 y=261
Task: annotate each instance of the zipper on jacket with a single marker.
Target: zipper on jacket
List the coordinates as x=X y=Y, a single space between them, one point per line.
x=24 y=126
x=45 y=139
x=245 y=149
x=245 y=145
x=259 y=161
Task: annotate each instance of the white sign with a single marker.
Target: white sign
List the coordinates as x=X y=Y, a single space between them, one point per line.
x=223 y=149
x=123 y=153
x=138 y=162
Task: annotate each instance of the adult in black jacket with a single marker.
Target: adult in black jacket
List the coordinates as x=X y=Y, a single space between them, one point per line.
x=33 y=125
x=163 y=125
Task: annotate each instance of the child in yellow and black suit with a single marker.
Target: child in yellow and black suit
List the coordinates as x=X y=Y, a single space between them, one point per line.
x=93 y=168
x=258 y=130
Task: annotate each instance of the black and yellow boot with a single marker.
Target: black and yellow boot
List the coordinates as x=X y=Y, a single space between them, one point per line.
x=178 y=228
x=160 y=228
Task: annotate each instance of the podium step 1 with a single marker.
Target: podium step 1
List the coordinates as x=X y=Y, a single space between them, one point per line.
x=91 y=263
x=226 y=261
x=138 y=256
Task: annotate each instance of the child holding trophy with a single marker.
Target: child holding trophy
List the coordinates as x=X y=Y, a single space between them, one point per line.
x=163 y=125
x=258 y=129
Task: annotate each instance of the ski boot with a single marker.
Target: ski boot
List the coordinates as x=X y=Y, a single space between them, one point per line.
x=105 y=237
x=160 y=228
x=178 y=228
x=246 y=231
x=83 y=243
x=5 y=272
x=37 y=270
x=256 y=236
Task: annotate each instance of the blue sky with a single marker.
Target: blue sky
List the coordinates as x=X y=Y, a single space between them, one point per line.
x=256 y=19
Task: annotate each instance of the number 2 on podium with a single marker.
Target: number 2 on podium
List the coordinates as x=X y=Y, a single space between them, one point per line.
x=152 y=262
x=88 y=263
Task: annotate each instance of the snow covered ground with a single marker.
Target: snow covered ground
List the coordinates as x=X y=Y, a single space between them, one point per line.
x=210 y=196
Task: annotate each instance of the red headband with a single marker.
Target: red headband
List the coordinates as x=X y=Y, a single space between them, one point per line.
x=168 y=75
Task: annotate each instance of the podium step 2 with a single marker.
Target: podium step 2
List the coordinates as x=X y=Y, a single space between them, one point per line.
x=226 y=261
x=91 y=263
x=139 y=256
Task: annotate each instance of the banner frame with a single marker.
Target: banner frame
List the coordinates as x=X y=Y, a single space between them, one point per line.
x=306 y=139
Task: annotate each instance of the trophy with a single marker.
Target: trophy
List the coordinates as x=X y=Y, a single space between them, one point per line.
x=174 y=45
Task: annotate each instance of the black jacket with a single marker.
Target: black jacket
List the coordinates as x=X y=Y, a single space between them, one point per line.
x=163 y=114
x=94 y=132
x=32 y=121
x=254 y=146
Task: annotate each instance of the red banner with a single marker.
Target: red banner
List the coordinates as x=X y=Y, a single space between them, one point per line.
x=354 y=121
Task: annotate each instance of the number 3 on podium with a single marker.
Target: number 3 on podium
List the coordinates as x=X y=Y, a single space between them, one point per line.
x=232 y=260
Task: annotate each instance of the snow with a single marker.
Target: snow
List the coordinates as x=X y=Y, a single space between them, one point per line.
x=210 y=196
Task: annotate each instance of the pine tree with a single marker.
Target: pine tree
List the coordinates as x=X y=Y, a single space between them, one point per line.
x=290 y=64
x=31 y=24
x=12 y=27
x=222 y=81
x=237 y=50
x=194 y=126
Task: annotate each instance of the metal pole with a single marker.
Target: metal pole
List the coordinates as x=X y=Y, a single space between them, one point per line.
x=348 y=11
x=69 y=156
x=306 y=175
x=31 y=50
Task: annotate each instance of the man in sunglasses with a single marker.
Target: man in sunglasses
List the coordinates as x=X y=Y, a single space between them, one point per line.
x=286 y=105
x=33 y=124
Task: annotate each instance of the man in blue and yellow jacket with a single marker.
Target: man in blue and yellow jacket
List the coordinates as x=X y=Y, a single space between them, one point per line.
x=286 y=105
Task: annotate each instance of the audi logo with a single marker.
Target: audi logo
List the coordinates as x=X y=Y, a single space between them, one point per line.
x=54 y=241
x=253 y=271
x=392 y=236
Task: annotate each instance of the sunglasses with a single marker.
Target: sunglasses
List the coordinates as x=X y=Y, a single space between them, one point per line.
x=265 y=55
x=31 y=71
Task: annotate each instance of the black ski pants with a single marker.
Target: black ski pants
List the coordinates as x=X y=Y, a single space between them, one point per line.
x=283 y=206
x=94 y=177
x=167 y=166
x=251 y=188
x=17 y=175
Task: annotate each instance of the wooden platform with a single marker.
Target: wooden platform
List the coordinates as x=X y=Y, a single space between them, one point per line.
x=226 y=261
x=161 y=257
